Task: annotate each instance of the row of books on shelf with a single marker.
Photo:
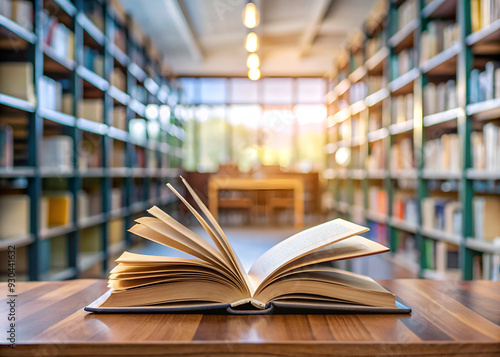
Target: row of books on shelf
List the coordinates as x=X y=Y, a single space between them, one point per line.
x=357 y=92
x=403 y=62
x=378 y=200
x=52 y=96
x=94 y=11
x=20 y=11
x=357 y=59
x=57 y=36
x=445 y=215
x=439 y=214
x=402 y=155
x=485 y=85
x=375 y=83
x=378 y=232
x=93 y=60
x=405 y=208
x=138 y=92
x=118 y=79
x=484 y=13
x=57 y=152
x=374 y=120
x=375 y=44
x=53 y=253
x=439 y=36
x=16 y=79
x=407 y=12
x=439 y=97
x=443 y=153
x=56 y=208
x=358 y=127
x=486 y=267
x=376 y=158
x=118 y=36
x=486 y=210
x=405 y=247
x=441 y=260
x=402 y=108
x=442 y=214
x=486 y=148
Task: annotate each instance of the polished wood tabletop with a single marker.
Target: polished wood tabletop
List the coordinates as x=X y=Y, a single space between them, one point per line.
x=448 y=318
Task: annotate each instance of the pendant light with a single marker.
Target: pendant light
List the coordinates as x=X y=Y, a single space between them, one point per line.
x=250 y=16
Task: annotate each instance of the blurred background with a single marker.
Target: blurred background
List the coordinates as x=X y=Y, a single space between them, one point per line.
x=281 y=114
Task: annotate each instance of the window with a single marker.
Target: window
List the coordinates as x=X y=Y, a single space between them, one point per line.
x=243 y=90
x=275 y=138
x=277 y=91
x=244 y=121
x=212 y=90
x=189 y=87
x=273 y=121
x=212 y=137
x=311 y=90
x=310 y=136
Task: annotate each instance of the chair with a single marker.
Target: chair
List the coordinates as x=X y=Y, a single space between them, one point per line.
x=235 y=200
x=284 y=199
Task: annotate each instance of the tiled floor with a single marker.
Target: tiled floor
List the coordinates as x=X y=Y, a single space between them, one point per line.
x=251 y=242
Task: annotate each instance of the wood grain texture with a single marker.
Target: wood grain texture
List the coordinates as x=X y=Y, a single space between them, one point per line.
x=449 y=318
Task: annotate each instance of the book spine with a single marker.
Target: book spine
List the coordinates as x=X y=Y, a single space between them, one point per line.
x=6 y=146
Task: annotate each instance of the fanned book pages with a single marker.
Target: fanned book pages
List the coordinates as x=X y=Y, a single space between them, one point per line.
x=292 y=277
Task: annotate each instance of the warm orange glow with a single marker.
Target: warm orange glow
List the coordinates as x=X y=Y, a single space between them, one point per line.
x=251 y=42
x=250 y=16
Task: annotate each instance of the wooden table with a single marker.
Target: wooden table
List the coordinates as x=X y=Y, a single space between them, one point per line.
x=217 y=183
x=448 y=318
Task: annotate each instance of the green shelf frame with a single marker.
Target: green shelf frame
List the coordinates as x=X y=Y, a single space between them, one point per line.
x=462 y=118
x=86 y=32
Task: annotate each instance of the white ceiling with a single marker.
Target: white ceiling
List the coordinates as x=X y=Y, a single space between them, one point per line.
x=206 y=37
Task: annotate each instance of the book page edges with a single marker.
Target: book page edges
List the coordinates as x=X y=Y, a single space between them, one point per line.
x=221 y=235
x=256 y=303
x=278 y=255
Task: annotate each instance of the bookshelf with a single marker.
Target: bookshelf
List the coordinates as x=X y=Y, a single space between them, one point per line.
x=418 y=140
x=110 y=157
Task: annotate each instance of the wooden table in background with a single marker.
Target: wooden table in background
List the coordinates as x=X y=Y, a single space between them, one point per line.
x=448 y=318
x=218 y=183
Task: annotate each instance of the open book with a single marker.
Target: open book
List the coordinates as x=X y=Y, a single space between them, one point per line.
x=289 y=277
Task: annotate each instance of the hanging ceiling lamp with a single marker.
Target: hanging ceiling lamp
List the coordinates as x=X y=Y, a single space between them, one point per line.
x=252 y=42
x=254 y=74
x=253 y=61
x=251 y=20
x=250 y=16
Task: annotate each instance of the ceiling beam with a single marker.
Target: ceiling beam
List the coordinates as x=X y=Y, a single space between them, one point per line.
x=179 y=18
x=312 y=28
